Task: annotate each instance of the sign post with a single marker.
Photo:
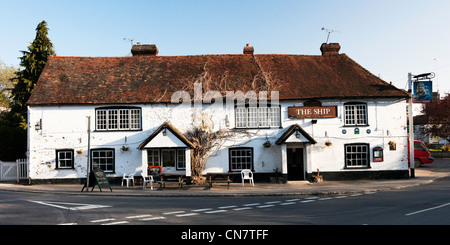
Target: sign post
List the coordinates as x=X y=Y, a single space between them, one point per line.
x=89 y=151
x=411 y=127
x=420 y=92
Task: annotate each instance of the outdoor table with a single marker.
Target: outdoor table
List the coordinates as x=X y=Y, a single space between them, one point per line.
x=172 y=178
x=219 y=178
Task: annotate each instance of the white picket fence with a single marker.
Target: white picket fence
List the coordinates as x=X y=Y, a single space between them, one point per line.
x=14 y=171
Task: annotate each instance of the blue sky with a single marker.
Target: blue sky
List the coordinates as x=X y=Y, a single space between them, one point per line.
x=388 y=37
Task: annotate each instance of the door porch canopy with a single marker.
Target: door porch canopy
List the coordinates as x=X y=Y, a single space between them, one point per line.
x=168 y=137
x=294 y=134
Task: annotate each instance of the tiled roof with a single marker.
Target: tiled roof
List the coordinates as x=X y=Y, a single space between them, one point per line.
x=153 y=79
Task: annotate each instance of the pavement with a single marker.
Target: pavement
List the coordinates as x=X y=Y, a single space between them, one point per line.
x=424 y=175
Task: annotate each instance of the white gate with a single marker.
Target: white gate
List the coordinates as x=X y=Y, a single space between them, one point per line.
x=22 y=169
x=14 y=171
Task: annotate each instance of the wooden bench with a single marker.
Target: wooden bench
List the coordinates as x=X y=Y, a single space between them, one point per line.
x=219 y=178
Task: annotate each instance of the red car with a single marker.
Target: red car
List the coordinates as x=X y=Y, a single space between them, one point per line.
x=421 y=154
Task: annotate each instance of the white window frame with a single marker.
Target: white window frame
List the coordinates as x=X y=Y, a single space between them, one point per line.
x=258 y=117
x=118 y=119
x=275 y=117
x=181 y=159
x=135 y=119
x=153 y=157
x=124 y=119
x=241 y=158
x=113 y=121
x=253 y=117
x=101 y=121
x=355 y=114
x=241 y=117
x=264 y=116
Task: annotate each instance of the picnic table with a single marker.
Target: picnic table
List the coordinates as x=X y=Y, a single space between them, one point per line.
x=177 y=178
x=163 y=178
x=219 y=178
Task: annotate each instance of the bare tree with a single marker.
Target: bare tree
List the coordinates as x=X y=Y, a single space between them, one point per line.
x=204 y=142
x=438 y=118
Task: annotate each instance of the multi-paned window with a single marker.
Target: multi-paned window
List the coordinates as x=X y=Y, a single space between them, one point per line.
x=118 y=119
x=241 y=158
x=64 y=159
x=103 y=159
x=167 y=157
x=181 y=159
x=357 y=155
x=355 y=114
x=257 y=117
x=153 y=157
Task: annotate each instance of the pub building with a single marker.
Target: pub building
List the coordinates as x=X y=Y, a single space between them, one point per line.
x=300 y=114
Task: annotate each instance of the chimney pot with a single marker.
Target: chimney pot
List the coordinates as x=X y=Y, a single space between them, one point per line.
x=144 y=50
x=248 y=49
x=330 y=49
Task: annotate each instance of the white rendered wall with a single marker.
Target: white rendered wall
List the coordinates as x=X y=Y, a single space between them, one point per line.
x=65 y=127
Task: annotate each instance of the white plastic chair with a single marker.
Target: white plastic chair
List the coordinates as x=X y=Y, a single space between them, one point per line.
x=124 y=178
x=131 y=178
x=128 y=179
x=247 y=174
x=146 y=180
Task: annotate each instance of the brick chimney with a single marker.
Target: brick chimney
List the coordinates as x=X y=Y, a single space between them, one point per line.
x=144 y=50
x=330 y=49
x=248 y=49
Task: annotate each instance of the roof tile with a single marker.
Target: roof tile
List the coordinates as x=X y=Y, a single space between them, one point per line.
x=153 y=79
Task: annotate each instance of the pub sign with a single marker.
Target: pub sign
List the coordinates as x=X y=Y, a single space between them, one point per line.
x=423 y=91
x=312 y=112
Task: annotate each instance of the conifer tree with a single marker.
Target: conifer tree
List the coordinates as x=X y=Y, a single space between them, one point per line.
x=32 y=63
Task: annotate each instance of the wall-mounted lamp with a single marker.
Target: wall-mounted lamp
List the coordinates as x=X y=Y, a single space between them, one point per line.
x=297 y=135
x=165 y=132
x=38 y=125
